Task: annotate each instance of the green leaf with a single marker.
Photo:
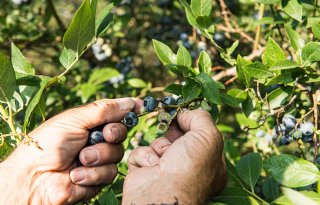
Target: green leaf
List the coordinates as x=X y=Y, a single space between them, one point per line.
x=244 y=121
x=270 y=189
x=19 y=62
x=232 y=47
x=184 y=57
x=137 y=83
x=108 y=198
x=293 y=8
x=248 y=169
x=279 y=96
x=81 y=30
x=230 y=100
x=174 y=89
x=284 y=65
x=35 y=100
x=205 y=22
x=164 y=53
x=201 y=7
x=204 y=63
x=210 y=89
x=267 y=1
x=291 y=171
x=283 y=200
x=247 y=106
x=191 y=90
x=295 y=39
x=244 y=77
x=104 y=20
x=93 y=5
x=298 y=198
x=311 y=21
x=86 y=91
x=239 y=94
x=284 y=78
x=231 y=172
x=257 y=70
x=235 y=195
x=316 y=30
x=189 y=13
x=311 y=53
x=68 y=57
x=273 y=53
x=7 y=78
x=102 y=75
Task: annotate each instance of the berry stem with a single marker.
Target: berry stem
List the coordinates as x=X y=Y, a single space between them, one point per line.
x=184 y=104
x=315 y=117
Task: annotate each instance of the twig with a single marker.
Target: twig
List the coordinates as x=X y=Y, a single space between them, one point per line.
x=231 y=80
x=315 y=117
x=277 y=25
x=56 y=16
x=258 y=29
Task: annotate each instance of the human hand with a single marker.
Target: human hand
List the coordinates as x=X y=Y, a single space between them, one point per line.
x=51 y=175
x=185 y=167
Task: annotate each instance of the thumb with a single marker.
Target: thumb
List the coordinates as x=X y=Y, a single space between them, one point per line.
x=98 y=112
x=201 y=134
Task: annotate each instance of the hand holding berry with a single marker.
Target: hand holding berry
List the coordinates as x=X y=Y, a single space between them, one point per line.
x=190 y=153
x=51 y=175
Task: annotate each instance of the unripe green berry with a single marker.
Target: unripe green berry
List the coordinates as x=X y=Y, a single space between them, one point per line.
x=162 y=128
x=164 y=117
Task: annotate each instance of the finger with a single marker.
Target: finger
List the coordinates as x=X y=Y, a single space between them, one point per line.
x=98 y=112
x=115 y=132
x=90 y=176
x=82 y=193
x=138 y=105
x=174 y=132
x=199 y=127
x=101 y=154
x=143 y=157
x=160 y=145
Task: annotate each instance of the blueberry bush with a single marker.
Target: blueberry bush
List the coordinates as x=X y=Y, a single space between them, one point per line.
x=253 y=64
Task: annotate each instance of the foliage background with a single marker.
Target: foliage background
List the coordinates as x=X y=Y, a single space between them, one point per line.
x=124 y=63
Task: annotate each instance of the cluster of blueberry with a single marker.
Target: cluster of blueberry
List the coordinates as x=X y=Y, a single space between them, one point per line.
x=290 y=132
x=125 y=65
x=150 y=104
x=101 y=50
x=167 y=108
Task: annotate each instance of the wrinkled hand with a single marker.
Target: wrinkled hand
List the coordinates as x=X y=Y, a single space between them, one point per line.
x=185 y=167
x=51 y=175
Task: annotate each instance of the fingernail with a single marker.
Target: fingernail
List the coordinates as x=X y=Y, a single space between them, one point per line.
x=115 y=132
x=153 y=160
x=126 y=104
x=77 y=175
x=90 y=156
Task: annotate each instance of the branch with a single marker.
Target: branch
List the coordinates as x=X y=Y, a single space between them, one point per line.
x=56 y=16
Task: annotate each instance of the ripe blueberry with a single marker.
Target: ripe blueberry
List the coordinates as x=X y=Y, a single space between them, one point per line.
x=168 y=101
x=130 y=119
x=297 y=134
x=285 y=140
x=307 y=139
x=150 y=103
x=289 y=121
x=95 y=137
x=307 y=128
x=172 y=112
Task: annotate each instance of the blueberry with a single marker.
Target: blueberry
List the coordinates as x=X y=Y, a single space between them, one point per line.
x=285 y=140
x=307 y=129
x=168 y=101
x=150 y=103
x=260 y=133
x=289 y=122
x=131 y=119
x=297 y=134
x=95 y=137
x=307 y=139
x=172 y=112
x=179 y=101
x=164 y=117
